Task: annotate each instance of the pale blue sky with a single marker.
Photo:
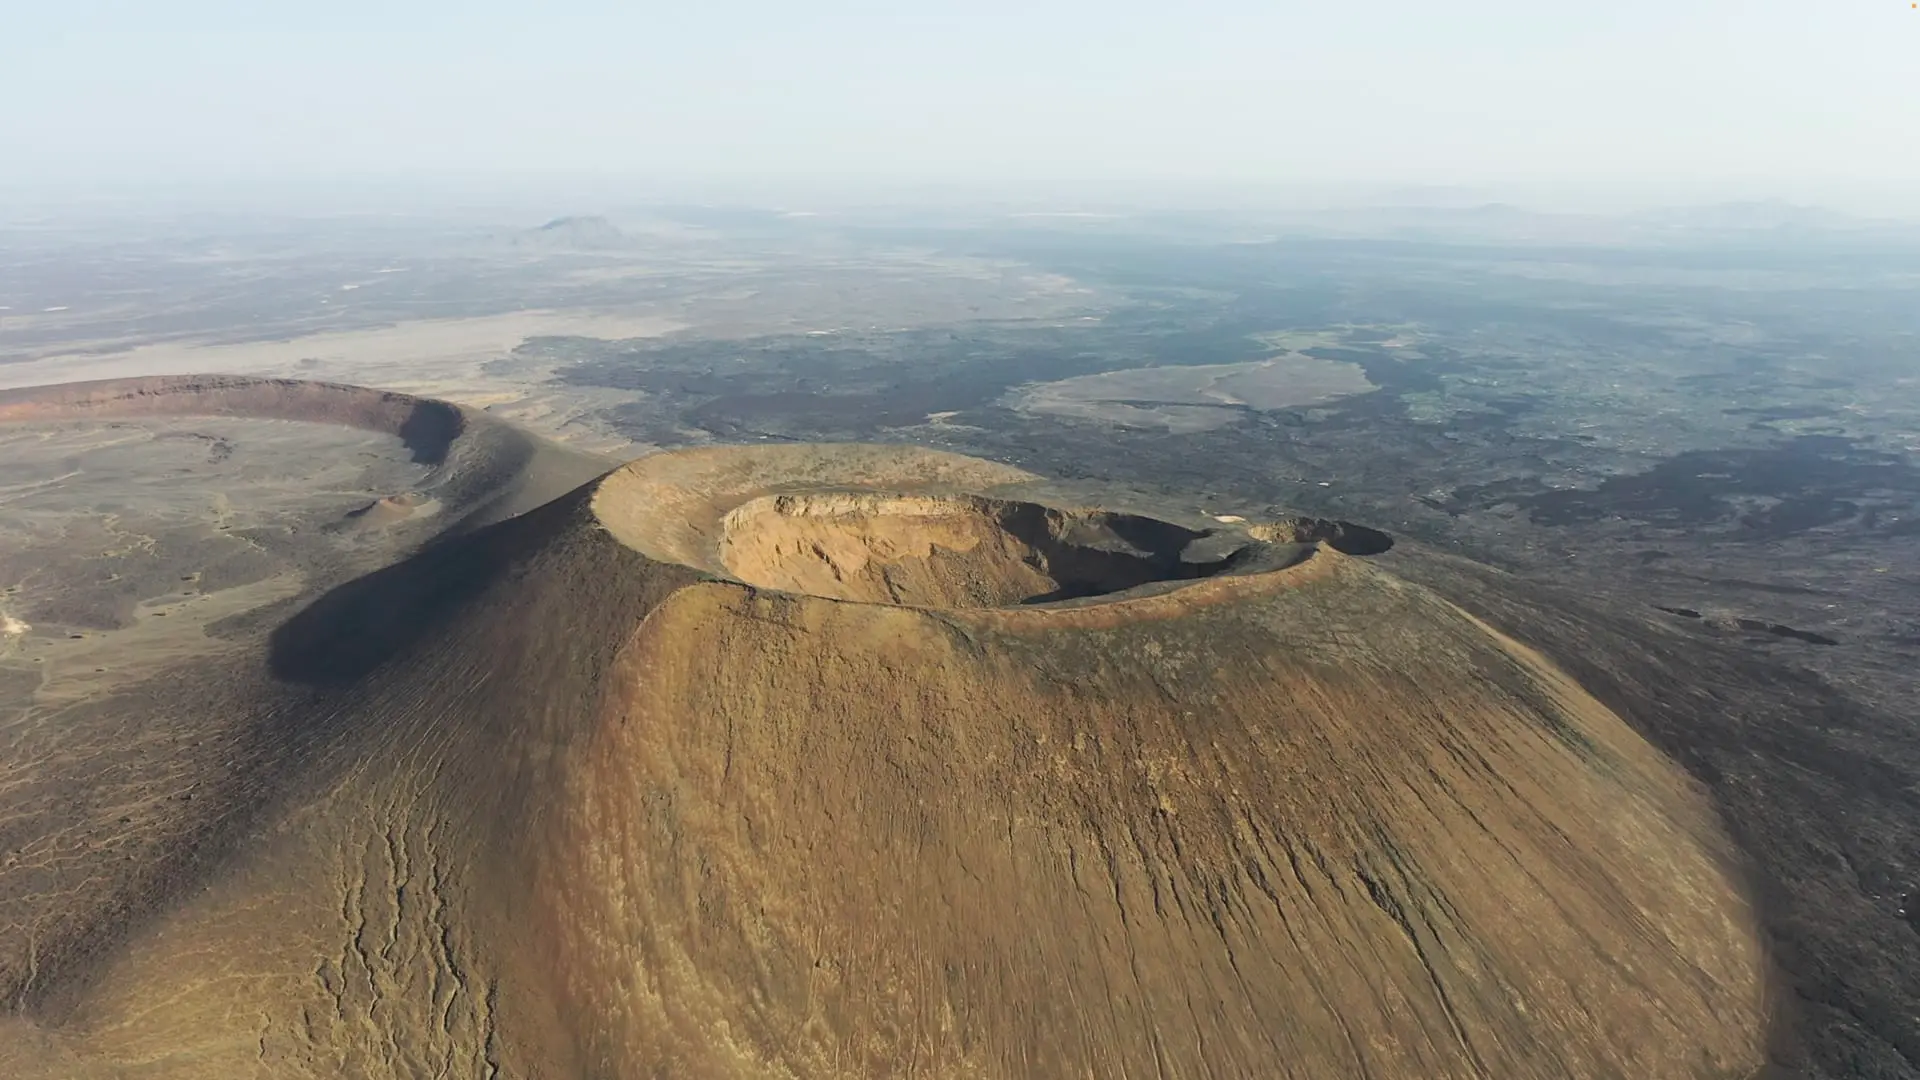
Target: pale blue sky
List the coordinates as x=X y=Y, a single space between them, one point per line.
x=1754 y=97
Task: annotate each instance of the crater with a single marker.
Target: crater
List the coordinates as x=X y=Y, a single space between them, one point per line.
x=955 y=551
x=1342 y=536
x=913 y=527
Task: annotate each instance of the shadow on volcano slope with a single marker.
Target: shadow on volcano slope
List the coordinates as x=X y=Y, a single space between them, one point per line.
x=352 y=629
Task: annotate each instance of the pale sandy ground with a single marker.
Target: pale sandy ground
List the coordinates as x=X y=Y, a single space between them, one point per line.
x=166 y=631
x=1192 y=398
x=445 y=358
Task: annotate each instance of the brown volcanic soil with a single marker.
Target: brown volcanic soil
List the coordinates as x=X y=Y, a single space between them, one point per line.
x=787 y=761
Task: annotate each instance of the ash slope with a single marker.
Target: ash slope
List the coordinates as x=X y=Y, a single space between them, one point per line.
x=574 y=798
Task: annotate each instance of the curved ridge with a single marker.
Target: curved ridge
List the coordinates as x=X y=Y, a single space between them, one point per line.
x=484 y=469
x=428 y=427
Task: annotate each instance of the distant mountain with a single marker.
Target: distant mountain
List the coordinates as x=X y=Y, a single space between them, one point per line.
x=1747 y=215
x=582 y=233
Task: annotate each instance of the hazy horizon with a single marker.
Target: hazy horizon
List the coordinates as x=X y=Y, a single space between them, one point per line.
x=1631 y=104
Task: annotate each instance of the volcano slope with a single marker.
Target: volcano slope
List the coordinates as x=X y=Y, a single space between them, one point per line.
x=866 y=761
